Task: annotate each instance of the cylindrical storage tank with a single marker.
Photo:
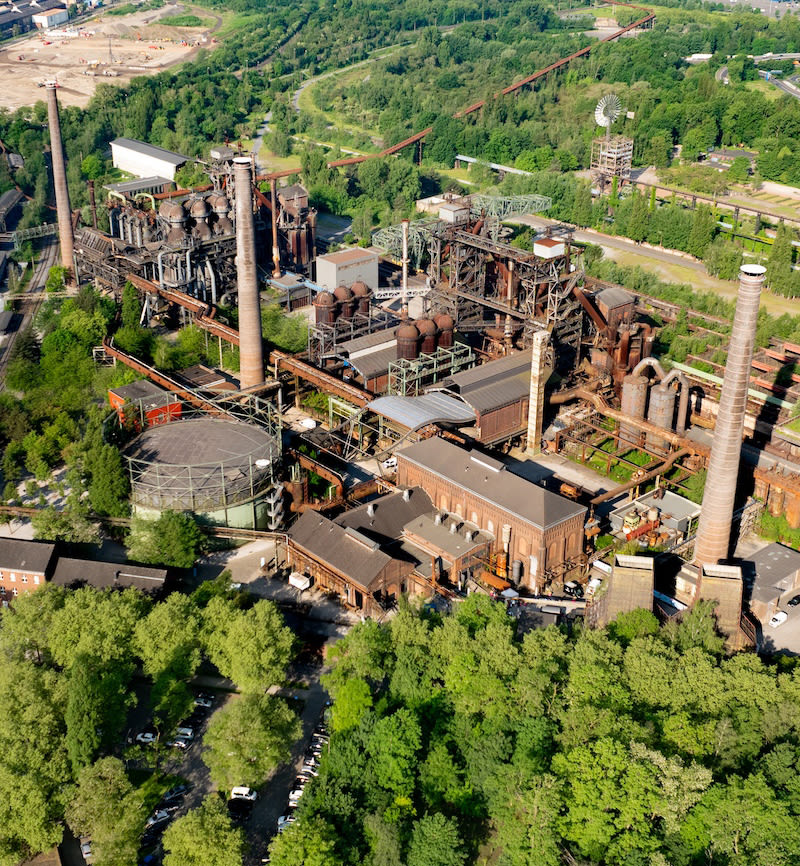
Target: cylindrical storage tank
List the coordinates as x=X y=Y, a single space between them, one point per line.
x=791 y=510
x=634 y=400
x=445 y=324
x=407 y=341
x=428 y=333
x=325 y=308
x=361 y=293
x=660 y=413
x=344 y=301
x=516 y=570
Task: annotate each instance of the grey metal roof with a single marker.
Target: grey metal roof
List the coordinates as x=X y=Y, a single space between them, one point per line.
x=775 y=567
x=21 y=10
x=331 y=544
x=9 y=199
x=138 y=184
x=494 y=384
x=389 y=515
x=368 y=341
x=143 y=389
x=415 y=412
x=150 y=150
x=108 y=575
x=23 y=555
x=5 y=320
x=375 y=363
x=489 y=479
x=614 y=296
x=439 y=536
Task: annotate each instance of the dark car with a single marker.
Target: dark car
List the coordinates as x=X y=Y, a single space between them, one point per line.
x=174 y=794
x=793 y=602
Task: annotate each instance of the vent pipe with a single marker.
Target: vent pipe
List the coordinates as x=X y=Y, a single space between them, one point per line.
x=453 y=528
x=371 y=510
x=714 y=531
x=404 y=303
x=251 y=350
x=63 y=209
x=406 y=495
x=438 y=520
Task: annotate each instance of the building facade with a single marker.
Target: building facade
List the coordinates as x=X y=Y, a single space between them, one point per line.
x=539 y=532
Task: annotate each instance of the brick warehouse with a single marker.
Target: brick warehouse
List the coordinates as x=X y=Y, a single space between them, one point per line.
x=546 y=530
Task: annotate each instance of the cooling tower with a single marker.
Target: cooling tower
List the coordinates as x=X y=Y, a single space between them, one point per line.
x=59 y=179
x=251 y=350
x=714 y=532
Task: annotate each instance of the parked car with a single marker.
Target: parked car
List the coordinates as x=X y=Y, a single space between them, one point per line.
x=390 y=463
x=204 y=701
x=146 y=738
x=779 y=618
x=175 y=794
x=86 y=849
x=573 y=588
x=158 y=818
x=182 y=743
x=240 y=792
x=185 y=731
x=794 y=601
x=284 y=821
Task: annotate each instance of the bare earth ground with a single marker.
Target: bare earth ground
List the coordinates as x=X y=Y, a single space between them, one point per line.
x=110 y=49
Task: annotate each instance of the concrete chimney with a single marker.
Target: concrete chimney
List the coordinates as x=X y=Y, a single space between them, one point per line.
x=404 y=296
x=251 y=350
x=60 y=179
x=536 y=396
x=714 y=532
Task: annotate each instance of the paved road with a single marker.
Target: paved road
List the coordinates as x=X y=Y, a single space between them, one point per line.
x=616 y=243
x=274 y=797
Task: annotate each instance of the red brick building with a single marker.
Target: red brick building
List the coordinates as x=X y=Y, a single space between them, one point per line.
x=24 y=567
x=542 y=530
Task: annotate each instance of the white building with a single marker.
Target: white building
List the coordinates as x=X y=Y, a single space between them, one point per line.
x=145 y=160
x=50 y=18
x=344 y=267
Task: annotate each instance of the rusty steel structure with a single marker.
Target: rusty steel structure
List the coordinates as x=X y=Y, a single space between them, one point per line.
x=63 y=210
x=714 y=531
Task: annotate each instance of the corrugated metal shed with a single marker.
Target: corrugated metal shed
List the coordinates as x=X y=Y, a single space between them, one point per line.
x=375 y=363
x=416 y=412
x=493 y=385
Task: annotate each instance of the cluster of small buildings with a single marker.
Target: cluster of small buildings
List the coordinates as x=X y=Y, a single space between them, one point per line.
x=458 y=520
x=25 y=566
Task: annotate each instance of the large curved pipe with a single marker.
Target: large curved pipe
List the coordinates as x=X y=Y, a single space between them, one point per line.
x=649 y=362
x=683 y=402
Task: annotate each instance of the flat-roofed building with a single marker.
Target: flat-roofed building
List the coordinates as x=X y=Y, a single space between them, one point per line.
x=542 y=531
x=345 y=267
x=145 y=160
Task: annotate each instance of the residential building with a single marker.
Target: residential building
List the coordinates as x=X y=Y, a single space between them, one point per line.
x=24 y=566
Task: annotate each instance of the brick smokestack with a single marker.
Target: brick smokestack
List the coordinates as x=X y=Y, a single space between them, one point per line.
x=60 y=179
x=714 y=532
x=251 y=350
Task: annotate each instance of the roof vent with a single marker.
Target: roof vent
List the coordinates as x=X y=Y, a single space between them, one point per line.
x=453 y=528
x=406 y=495
x=438 y=520
x=371 y=509
x=468 y=536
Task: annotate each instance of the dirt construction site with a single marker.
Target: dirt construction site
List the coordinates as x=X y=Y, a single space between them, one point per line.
x=105 y=48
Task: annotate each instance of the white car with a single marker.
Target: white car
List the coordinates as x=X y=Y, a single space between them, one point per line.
x=390 y=463
x=146 y=738
x=240 y=792
x=159 y=817
x=86 y=849
x=285 y=821
x=187 y=733
x=779 y=618
x=204 y=701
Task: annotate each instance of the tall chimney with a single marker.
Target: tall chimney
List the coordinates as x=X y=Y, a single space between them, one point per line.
x=714 y=532
x=276 y=253
x=251 y=350
x=60 y=179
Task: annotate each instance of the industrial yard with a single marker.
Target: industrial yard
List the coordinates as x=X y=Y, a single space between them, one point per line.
x=104 y=48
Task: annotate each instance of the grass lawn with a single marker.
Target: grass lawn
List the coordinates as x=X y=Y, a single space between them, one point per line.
x=764 y=87
x=703 y=282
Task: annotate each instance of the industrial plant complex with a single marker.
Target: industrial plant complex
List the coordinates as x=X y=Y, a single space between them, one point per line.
x=453 y=367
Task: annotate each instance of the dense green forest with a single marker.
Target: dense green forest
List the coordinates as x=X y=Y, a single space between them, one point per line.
x=455 y=741
x=71 y=665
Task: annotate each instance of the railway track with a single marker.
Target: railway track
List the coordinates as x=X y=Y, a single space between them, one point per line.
x=30 y=301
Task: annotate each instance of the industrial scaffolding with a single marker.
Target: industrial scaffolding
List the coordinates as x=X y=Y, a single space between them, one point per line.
x=324 y=338
x=408 y=377
x=612 y=156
